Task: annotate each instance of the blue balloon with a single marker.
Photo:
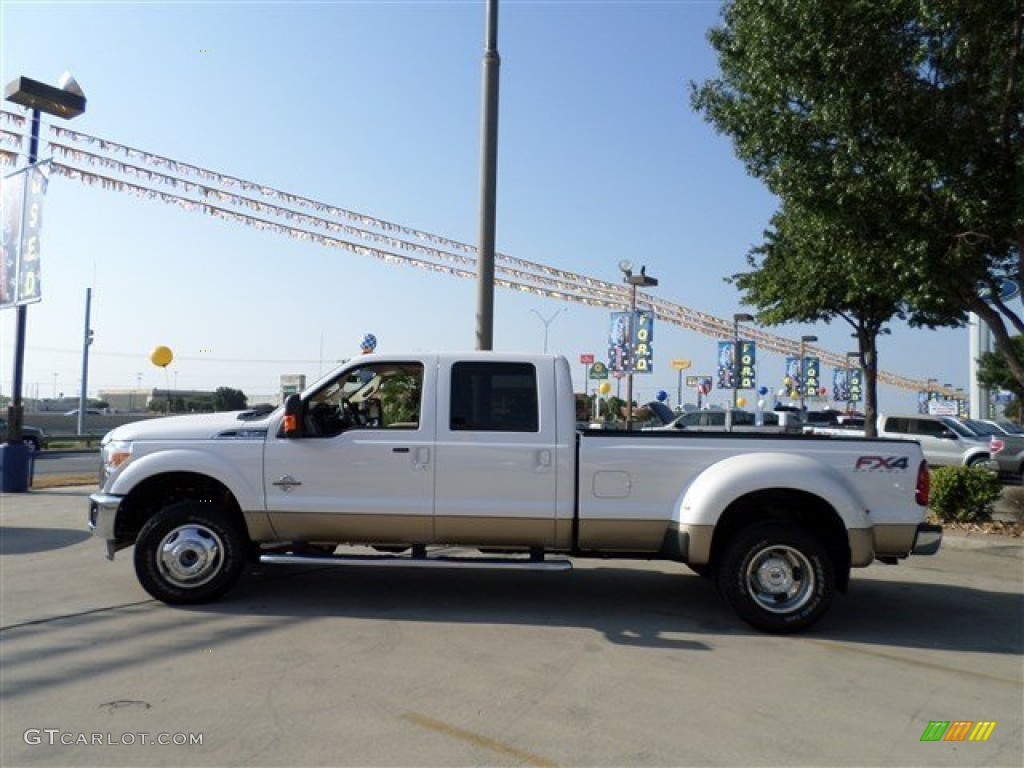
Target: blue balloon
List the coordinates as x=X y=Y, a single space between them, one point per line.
x=762 y=390
x=369 y=343
x=662 y=395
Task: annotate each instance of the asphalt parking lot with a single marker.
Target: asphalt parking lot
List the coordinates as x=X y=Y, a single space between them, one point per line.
x=617 y=663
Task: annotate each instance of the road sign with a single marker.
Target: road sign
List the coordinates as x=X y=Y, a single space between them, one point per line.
x=681 y=364
x=1007 y=288
x=587 y=359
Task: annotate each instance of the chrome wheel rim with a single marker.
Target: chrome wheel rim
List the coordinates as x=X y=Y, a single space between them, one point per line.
x=780 y=579
x=190 y=555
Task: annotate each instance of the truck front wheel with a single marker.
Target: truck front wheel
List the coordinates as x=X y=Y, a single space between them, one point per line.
x=778 y=577
x=189 y=553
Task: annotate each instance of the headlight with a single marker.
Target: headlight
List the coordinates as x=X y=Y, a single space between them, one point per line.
x=113 y=454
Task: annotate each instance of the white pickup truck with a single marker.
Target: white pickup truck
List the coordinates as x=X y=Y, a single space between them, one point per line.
x=413 y=455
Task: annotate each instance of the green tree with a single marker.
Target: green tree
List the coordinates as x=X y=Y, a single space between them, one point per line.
x=994 y=372
x=891 y=132
x=814 y=270
x=228 y=399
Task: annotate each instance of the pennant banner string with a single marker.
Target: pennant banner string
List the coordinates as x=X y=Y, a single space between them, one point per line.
x=217 y=197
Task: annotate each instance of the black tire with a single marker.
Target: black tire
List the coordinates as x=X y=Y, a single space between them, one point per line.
x=976 y=461
x=190 y=553
x=778 y=577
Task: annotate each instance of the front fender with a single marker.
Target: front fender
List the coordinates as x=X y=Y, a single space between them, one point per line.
x=248 y=491
x=721 y=484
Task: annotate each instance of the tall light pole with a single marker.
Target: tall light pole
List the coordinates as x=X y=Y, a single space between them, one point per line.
x=488 y=184
x=804 y=341
x=68 y=102
x=739 y=317
x=633 y=281
x=547 y=322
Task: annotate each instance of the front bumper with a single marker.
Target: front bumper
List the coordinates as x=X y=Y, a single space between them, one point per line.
x=102 y=514
x=927 y=540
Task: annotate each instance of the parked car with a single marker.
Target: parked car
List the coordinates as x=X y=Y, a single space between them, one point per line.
x=714 y=421
x=1006 y=427
x=36 y=439
x=89 y=411
x=947 y=441
x=1007 y=449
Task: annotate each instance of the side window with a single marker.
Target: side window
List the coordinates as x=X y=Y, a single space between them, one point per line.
x=375 y=396
x=494 y=397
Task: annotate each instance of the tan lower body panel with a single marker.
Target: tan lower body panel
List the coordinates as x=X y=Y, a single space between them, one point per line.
x=623 y=535
x=352 y=529
x=495 y=531
x=617 y=535
x=258 y=525
x=862 y=546
x=698 y=550
x=894 y=539
x=414 y=529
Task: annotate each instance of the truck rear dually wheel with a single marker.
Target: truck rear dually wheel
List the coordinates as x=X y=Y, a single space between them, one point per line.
x=778 y=577
x=188 y=553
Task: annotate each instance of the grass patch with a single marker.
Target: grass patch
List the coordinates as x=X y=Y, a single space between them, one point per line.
x=60 y=481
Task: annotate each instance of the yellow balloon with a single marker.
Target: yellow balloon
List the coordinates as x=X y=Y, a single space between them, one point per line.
x=741 y=402
x=604 y=388
x=161 y=356
x=794 y=395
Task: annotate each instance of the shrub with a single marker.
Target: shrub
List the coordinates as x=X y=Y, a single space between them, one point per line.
x=963 y=494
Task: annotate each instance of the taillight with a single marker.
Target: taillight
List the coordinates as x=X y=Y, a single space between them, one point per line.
x=995 y=445
x=924 y=481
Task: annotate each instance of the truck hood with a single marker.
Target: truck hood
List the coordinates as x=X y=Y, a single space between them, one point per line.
x=203 y=426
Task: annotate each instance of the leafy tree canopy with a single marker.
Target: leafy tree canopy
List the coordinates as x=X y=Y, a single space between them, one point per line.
x=891 y=132
x=228 y=399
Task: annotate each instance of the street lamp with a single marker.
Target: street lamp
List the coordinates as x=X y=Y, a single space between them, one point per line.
x=739 y=317
x=547 y=322
x=488 y=183
x=633 y=281
x=804 y=340
x=66 y=101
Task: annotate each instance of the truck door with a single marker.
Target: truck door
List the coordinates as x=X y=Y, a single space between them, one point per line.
x=363 y=469
x=496 y=474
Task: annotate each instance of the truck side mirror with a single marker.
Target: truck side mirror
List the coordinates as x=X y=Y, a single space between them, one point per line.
x=292 y=426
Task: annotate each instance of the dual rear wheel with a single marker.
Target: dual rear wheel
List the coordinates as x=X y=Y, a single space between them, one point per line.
x=777 y=576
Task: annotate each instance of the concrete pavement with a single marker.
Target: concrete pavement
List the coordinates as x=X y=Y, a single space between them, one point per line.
x=617 y=663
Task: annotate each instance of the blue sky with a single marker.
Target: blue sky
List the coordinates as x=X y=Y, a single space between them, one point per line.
x=375 y=107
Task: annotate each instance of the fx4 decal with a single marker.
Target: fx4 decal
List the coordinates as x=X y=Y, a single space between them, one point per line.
x=882 y=463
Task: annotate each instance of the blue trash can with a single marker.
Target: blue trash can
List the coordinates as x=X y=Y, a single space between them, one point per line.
x=16 y=464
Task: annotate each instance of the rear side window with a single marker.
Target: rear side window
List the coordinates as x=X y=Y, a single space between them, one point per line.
x=925 y=427
x=494 y=397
